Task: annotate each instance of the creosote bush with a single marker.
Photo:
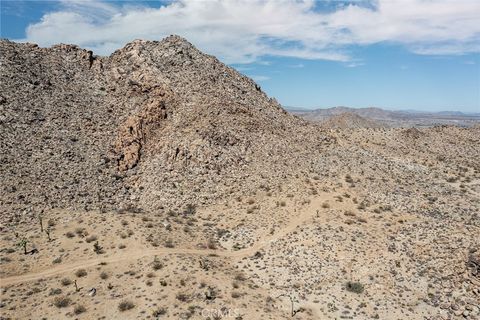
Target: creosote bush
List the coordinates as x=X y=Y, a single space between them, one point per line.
x=356 y=287
x=81 y=273
x=62 y=302
x=126 y=305
x=159 y=312
x=79 y=309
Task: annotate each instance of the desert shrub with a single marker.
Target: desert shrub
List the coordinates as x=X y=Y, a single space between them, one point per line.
x=57 y=260
x=81 y=231
x=69 y=234
x=79 y=309
x=121 y=246
x=236 y=295
x=66 y=282
x=126 y=305
x=61 y=302
x=240 y=277
x=81 y=273
x=325 y=205
x=282 y=203
x=190 y=209
x=54 y=292
x=349 y=213
x=104 y=275
x=182 y=297
x=211 y=244
x=356 y=287
x=157 y=264
x=159 y=312
x=91 y=238
x=169 y=244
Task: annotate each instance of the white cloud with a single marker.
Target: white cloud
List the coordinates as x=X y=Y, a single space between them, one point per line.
x=297 y=65
x=354 y=64
x=243 y=31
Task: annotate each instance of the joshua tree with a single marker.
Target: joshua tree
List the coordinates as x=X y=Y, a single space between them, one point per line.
x=47 y=231
x=40 y=219
x=97 y=248
x=292 y=300
x=76 y=286
x=23 y=243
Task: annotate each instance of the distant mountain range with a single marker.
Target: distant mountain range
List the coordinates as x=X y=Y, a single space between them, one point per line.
x=390 y=118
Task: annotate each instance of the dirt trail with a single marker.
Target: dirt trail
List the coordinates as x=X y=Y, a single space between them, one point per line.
x=306 y=214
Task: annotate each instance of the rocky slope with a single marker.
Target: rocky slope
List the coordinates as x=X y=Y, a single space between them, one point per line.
x=137 y=129
x=246 y=208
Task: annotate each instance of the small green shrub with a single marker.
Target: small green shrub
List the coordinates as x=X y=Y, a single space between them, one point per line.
x=356 y=287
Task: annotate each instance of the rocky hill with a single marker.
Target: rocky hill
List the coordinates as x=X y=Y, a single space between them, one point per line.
x=171 y=186
x=395 y=119
x=137 y=129
x=349 y=120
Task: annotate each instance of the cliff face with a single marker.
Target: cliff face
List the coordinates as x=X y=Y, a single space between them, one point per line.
x=155 y=124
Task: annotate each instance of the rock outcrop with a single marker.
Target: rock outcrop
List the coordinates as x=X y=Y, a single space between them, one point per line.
x=157 y=124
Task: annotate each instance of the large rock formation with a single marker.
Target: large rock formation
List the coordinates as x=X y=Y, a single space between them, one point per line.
x=155 y=124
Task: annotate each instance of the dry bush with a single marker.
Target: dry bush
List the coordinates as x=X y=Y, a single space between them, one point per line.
x=81 y=273
x=79 y=309
x=62 y=302
x=126 y=305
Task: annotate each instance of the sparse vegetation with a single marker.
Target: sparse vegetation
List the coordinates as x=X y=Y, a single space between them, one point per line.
x=81 y=273
x=97 y=248
x=356 y=287
x=62 y=302
x=159 y=312
x=79 y=309
x=126 y=305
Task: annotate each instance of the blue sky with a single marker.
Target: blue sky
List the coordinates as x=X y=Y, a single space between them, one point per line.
x=408 y=54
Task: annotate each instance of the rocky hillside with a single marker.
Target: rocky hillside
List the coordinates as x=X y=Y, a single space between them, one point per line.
x=349 y=120
x=395 y=119
x=156 y=124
